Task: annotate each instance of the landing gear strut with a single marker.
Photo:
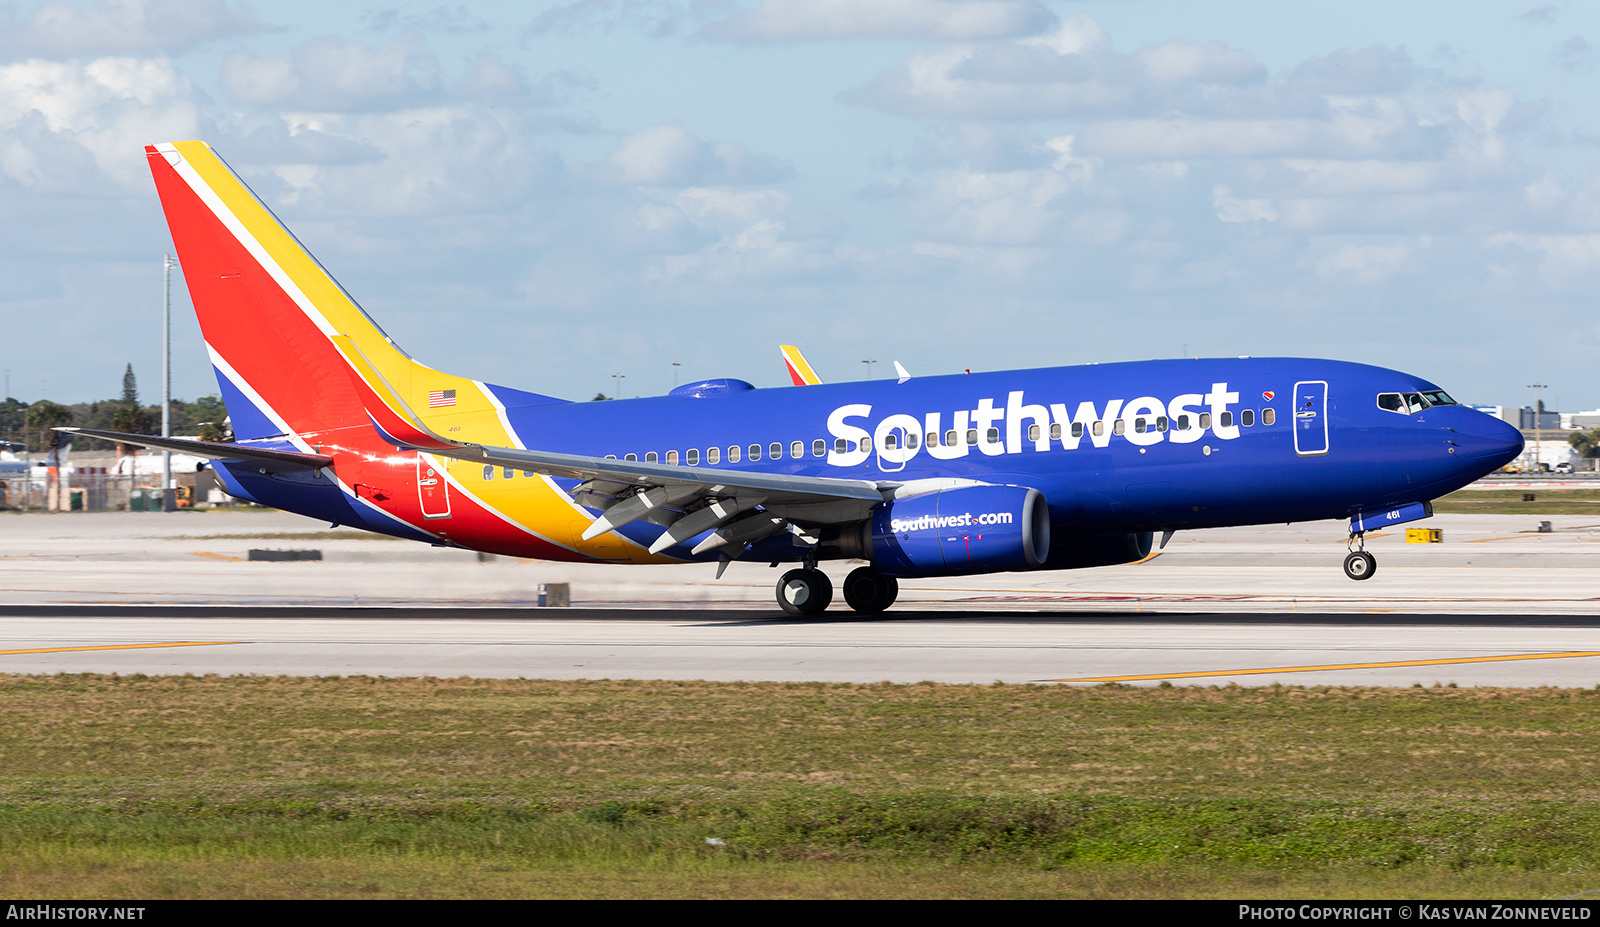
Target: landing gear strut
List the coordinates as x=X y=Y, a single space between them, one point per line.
x=868 y=591
x=1360 y=564
x=804 y=592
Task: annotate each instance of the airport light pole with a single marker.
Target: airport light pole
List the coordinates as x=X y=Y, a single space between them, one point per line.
x=869 y=364
x=169 y=496
x=1538 y=432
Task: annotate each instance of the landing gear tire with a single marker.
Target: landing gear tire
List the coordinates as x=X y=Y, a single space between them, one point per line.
x=1360 y=565
x=869 y=592
x=804 y=592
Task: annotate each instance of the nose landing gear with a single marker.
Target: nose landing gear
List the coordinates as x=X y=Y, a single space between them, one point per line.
x=1359 y=564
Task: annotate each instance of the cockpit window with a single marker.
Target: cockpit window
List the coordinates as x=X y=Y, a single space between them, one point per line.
x=1407 y=403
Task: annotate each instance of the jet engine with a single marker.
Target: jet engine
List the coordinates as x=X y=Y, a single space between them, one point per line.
x=970 y=529
x=1076 y=553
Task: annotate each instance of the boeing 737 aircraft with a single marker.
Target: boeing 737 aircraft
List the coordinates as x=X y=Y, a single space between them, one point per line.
x=1043 y=469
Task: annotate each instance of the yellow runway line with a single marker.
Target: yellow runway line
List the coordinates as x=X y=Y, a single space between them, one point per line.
x=122 y=647
x=1338 y=666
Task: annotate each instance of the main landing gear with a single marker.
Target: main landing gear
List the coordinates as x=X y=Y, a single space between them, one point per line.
x=1360 y=564
x=809 y=591
x=869 y=592
x=804 y=592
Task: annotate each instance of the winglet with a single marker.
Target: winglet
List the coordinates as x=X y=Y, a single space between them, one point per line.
x=799 y=371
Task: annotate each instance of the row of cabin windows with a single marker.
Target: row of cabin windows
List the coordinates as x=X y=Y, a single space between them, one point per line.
x=507 y=472
x=952 y=438
x=774 y=451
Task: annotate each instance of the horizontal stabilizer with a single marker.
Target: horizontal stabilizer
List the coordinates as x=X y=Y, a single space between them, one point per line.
x=281 y=461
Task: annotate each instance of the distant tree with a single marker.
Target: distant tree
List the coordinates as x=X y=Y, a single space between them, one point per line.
x=130 y=388
x=188 y=417
x=43 y=416
x=600 y=397
x=13 y=416
x=1586 y=443
x=216 y=431
x=208 y=408
x=132 y=420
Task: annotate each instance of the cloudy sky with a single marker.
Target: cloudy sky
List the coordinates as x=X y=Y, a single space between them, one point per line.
x=547 y=195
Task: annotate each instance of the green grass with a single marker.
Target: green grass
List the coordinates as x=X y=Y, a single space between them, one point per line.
x=1509 y=502
x=360 y=787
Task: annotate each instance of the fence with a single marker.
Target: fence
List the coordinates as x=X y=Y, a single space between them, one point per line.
x=105 y=492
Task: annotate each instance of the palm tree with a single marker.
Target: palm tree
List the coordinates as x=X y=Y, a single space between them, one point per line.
x=43 y=416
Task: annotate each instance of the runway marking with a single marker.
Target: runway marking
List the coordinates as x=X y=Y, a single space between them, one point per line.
x=1338 y=666
x=121 y=647
x=202 y=553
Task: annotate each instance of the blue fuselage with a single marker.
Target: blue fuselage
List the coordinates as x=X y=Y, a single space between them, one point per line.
x=1350 y=455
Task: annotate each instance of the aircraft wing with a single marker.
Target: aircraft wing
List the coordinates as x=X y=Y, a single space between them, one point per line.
x=268 y=458
x=637 y=473
x=738 y=506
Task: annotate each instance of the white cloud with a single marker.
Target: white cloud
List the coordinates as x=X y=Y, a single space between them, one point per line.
x=334 y=75
x=668 y=155
x=750 y=240
x=1072 y=72
x=1231 y=208
x=1073 y=35
x=1370 y=264
x=109 y=108
x=58 y=29
x=652 y=17
x=1185 y=138
x=422 y=161
x=1199 y=63
x=819 y=20
x=1563 y=260
x=1356 y=72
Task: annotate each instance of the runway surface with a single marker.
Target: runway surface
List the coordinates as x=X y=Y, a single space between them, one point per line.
x=1499 y=603
x=1064 y=648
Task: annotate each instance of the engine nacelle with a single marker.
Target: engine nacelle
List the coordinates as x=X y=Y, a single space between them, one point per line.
x=1076 y=553
x=970 y=529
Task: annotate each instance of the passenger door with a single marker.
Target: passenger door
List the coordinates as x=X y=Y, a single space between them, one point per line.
x=432 y=487
x=1311 y=418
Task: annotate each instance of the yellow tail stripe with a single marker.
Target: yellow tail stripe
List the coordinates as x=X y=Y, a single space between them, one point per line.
x=474 y=416
x=797 y=362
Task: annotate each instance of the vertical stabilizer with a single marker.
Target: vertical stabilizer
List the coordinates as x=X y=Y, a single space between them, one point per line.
x=271 y=316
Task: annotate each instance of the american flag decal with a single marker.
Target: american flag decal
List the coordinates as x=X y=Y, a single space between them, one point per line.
x=438 y=398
